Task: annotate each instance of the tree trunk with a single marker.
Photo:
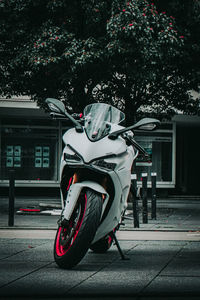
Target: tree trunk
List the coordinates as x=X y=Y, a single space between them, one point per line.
x=80 y=97
x=130 y=112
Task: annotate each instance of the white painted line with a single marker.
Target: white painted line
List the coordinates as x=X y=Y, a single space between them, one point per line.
x=157 y=235
x=121 y=235
x=193 y=234
x=27 y=234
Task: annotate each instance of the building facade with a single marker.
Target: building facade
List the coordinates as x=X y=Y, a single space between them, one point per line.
x=31 y=144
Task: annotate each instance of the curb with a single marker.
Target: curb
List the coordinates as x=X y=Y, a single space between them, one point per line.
x=123 y=229
x=27 y=228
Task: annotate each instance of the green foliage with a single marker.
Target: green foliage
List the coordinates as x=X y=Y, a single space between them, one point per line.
x=127 y=53
x=187 y=16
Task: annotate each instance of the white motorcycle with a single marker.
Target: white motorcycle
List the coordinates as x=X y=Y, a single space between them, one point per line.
x=95 y=179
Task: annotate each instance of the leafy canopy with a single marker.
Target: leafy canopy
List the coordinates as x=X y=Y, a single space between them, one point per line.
x=126 y=53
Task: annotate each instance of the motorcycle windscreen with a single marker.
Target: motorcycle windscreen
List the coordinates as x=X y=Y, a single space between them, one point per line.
x=98 y=120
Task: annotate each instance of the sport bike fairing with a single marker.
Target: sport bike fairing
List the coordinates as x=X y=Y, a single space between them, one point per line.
x=120 y=155
x=80 y=144
x=93 y=144
x=95 y=179
x=99 y=120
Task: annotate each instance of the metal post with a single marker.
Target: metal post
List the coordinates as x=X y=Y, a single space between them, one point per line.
x=144 y=198
x=135 y=201
x=153 y=195
x=11 y=197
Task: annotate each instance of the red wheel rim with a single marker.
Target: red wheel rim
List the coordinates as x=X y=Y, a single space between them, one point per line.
x=67 y=236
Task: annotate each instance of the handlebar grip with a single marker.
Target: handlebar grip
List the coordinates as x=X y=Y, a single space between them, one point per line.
x=77 y=115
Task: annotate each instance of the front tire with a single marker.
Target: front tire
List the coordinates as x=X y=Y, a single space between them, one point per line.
x=73 y=241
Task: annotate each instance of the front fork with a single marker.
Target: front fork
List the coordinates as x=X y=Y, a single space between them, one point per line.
x=73 y=194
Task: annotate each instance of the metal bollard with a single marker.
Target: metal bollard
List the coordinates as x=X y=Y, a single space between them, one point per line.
x=144 y=198
x=135 y=201
x=153 y=195
x=11 y=197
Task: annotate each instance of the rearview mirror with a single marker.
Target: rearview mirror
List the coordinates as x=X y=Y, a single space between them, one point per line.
x=144 y=124
x=147 y=127
x=55 y=105
x=58 y=108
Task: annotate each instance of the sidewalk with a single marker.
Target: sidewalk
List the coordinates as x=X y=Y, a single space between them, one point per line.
x=156 y=269
x=172 y=215
x=164 y=257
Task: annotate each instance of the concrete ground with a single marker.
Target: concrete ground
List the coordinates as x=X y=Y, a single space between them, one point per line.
x=155 y=269
x=178 y=215
x=164 y=258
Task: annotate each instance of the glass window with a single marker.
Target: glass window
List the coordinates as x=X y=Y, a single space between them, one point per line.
x=13 y=156
x=12 y=121
x=159 y=147
x=32 y=152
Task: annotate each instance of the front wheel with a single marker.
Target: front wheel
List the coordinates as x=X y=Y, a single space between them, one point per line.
x=73 y=241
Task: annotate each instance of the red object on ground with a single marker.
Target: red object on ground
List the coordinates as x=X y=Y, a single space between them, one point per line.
x=30 y=209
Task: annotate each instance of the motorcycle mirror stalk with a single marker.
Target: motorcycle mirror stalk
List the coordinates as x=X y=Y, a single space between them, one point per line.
x=58 y=109
x=144 y=124
x=55 y=115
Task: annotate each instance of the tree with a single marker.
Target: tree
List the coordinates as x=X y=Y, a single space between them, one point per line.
x=125 y=53
x=53 y=48
x=187 y=16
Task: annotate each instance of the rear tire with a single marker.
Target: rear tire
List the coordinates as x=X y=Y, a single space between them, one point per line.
x=102 y=245
x=73 y=241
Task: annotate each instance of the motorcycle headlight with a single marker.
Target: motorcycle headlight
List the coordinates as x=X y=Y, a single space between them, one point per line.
x=104 y=165
x=73 y=157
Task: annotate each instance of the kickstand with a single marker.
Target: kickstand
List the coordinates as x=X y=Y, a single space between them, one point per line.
x=123 y=257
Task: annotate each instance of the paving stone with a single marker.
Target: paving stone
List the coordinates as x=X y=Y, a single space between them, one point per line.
x=174 y=286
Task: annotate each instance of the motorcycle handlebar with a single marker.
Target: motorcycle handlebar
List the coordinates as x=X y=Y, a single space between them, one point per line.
x=77 y=116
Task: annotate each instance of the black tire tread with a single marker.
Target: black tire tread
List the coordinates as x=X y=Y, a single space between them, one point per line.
x=86 y=233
